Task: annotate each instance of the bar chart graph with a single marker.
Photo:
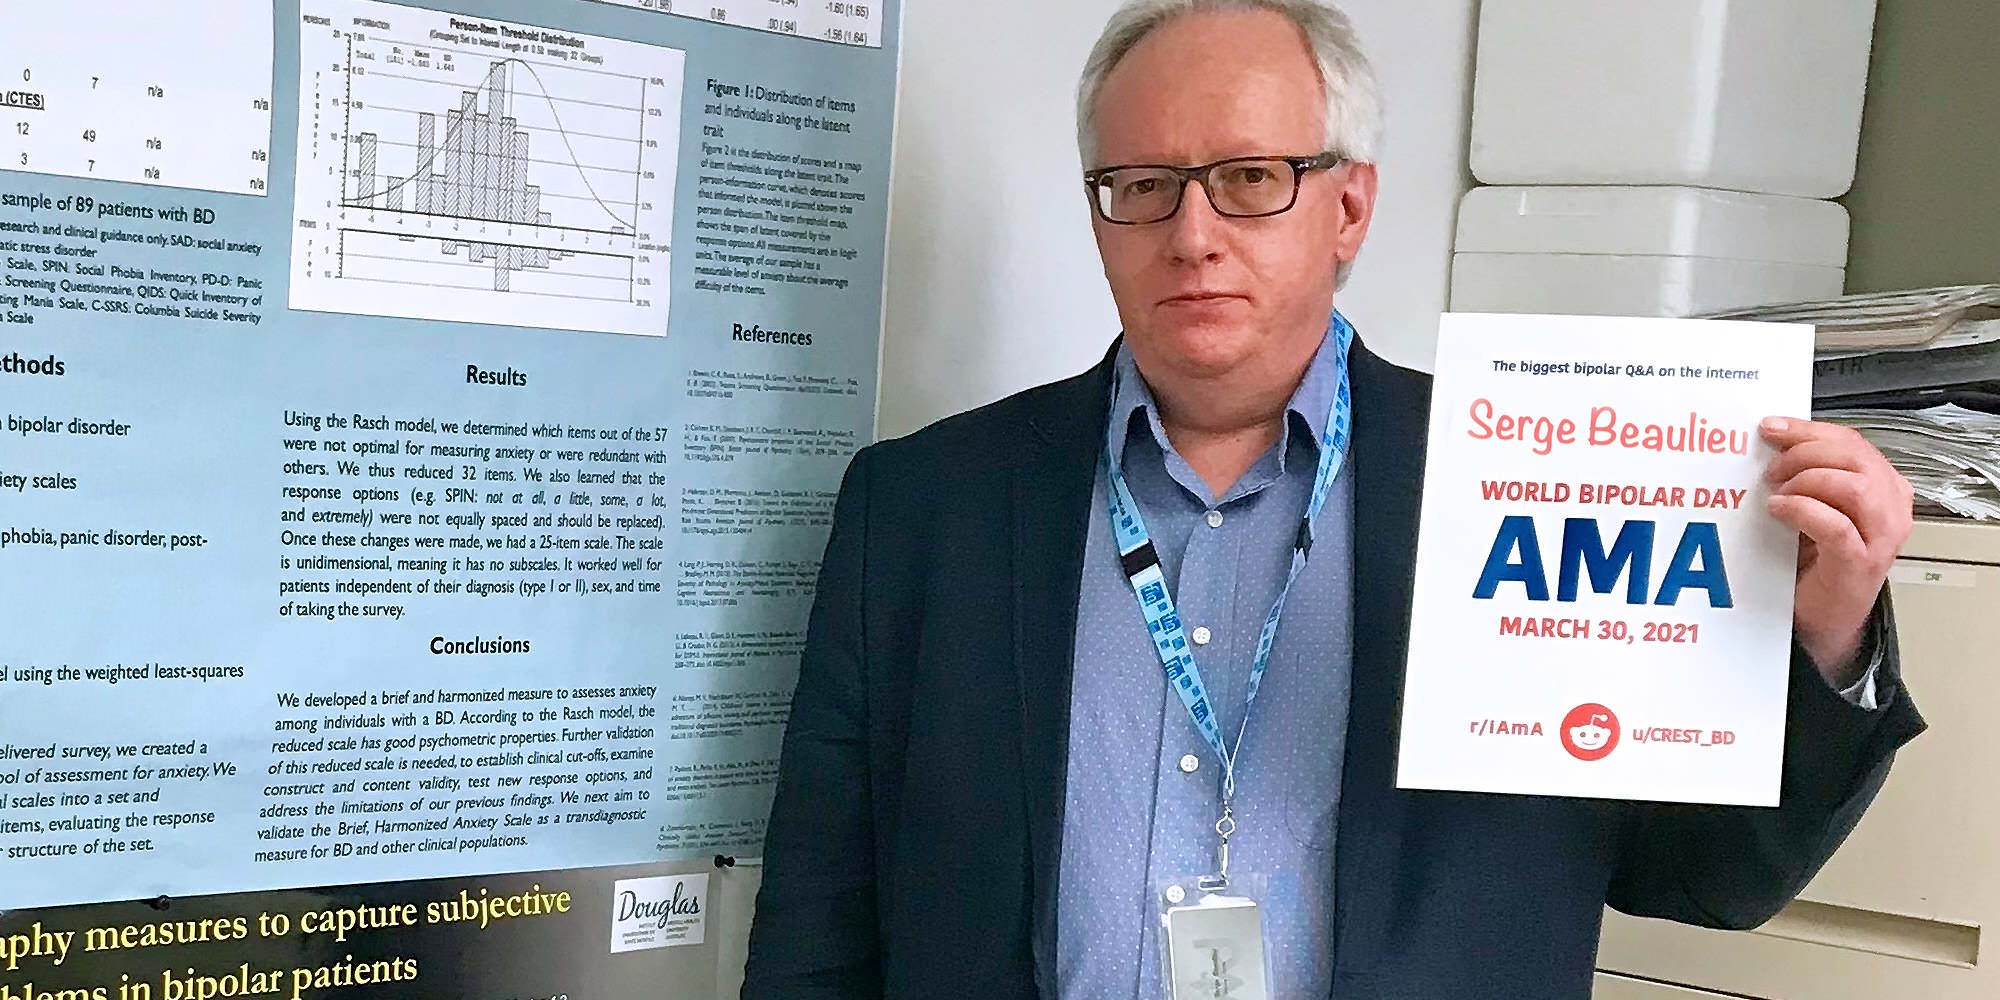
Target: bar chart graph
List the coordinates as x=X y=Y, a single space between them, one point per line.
x=449 y=169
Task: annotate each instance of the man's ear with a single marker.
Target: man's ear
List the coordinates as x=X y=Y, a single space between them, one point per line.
x=1357 y=207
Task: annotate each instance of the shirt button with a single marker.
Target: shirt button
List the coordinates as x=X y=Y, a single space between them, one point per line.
x=1190 y=764
x=1202 y=635
x=1215 y=519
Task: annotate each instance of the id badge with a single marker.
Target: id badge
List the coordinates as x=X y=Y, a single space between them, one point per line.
x=1212 y=942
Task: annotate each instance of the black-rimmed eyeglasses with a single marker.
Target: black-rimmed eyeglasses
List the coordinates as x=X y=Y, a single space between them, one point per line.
x=1241 y=187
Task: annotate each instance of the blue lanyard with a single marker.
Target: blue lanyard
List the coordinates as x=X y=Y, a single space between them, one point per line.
x=1142 y=567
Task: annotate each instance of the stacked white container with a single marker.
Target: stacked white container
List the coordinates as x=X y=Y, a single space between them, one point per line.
x=1663 y=159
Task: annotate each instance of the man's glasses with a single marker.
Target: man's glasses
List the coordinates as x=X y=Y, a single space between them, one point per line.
x=1243 y=187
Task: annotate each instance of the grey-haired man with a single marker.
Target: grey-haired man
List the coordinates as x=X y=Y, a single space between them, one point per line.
x=990 y=787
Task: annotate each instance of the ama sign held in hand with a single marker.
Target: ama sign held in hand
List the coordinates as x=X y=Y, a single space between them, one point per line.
x=1603 y=606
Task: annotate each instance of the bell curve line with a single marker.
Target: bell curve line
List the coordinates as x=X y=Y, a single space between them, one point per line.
x=451 y=132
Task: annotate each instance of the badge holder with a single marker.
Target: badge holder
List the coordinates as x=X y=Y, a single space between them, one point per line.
x=1212 y=933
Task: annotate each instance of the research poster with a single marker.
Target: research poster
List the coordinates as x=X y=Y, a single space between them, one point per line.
x=1603 y=605
x=422 y=425
x=648 y=931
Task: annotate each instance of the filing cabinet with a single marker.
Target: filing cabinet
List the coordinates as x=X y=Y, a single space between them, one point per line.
x=1903 y=908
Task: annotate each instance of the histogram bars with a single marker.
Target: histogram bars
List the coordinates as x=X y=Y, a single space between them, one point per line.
x=476 y=167
x=477 y=170
x=447 y=173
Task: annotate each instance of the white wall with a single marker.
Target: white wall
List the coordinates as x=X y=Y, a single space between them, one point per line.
x=993 y=281
x=1423 y=51
x=732 y=894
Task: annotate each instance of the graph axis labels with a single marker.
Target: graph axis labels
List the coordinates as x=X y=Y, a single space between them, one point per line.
x=466 y=169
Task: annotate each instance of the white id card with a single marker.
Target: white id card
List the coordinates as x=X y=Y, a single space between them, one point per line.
x=1213 y=948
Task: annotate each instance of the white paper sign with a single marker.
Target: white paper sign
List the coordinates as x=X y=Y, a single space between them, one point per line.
x=660 y=912
x=1603 y=603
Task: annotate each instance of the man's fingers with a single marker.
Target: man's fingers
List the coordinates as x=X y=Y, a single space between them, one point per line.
x=1832 y=531
x=1784 y=432
x=1840 y=469
x=1864 y=501
x=1853 y=455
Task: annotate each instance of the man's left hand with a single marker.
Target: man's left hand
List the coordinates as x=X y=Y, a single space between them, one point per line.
x=1853 y=509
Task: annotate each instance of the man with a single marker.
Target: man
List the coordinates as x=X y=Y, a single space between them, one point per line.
x=987 y=786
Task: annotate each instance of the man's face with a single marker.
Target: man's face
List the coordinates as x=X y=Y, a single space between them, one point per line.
x=1201 y=294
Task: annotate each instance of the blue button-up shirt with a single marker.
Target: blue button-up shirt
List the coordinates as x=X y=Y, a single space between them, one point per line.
x=1134 y=818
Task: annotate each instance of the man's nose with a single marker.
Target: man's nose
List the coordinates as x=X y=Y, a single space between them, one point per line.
x=1196 y=230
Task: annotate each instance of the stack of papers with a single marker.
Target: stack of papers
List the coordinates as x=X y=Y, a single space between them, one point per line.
x=1970 y=363
x=1949 y=453
x=1918 y=374
x=1925 y=319
x=1964 y=333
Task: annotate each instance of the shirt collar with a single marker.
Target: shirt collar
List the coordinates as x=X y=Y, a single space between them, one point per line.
x=1311 y=402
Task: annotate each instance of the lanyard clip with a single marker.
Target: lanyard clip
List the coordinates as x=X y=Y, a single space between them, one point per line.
x=1223 y=828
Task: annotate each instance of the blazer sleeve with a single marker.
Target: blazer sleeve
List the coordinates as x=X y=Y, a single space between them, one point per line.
x=814 y=935
x=1735 y=867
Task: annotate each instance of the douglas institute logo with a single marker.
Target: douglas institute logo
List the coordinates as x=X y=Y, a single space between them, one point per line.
x=658 y=912
x=1590 y=732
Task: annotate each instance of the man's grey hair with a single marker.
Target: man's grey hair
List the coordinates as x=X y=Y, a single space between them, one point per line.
x=1353 y=99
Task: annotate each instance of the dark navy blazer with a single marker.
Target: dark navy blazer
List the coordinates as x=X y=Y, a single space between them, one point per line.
x=912 y=850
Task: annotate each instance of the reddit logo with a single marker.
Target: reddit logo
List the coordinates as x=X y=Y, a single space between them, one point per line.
x=1589 y=732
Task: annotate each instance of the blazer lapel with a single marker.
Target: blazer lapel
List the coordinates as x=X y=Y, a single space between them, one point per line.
x=1391 y=417
x=1051 y=500
x=1051 y=497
